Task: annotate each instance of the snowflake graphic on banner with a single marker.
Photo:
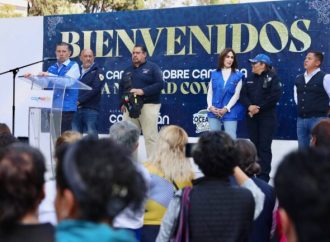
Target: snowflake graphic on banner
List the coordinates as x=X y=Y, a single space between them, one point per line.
x=52 y=23
x=322 y=7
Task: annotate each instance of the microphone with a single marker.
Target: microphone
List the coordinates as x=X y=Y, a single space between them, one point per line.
x=49 y=59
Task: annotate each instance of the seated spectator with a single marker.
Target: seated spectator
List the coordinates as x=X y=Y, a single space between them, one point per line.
x=219 y=211
x=262 y=226
x=22 y=171
x=170 y=171
x=4 y=129
x=5 y=141
x=46 y=208
x=67 y=137
x=96 y=180
x=302 y=185
x=321 y=134
x=127 y=134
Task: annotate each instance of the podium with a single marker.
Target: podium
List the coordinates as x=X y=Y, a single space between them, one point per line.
x=45 y=110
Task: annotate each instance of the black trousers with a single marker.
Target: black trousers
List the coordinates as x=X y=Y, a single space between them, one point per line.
x=261 y=129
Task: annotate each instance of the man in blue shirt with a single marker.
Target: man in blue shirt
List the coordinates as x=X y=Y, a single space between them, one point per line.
x=139 y=91
x=66 y=68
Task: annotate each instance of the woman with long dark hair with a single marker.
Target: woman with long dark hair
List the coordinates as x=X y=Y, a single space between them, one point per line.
x=22 y=182
x=248 y=162
x=223 y=94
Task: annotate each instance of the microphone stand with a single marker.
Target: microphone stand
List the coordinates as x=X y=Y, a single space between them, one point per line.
x=15 y=71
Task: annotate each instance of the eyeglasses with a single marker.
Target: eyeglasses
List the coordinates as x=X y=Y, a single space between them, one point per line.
x=254 y=63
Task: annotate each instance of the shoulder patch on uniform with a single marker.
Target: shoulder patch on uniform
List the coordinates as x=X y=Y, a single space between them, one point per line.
x=101 y=77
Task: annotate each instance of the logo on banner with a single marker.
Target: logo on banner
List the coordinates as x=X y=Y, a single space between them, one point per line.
x=200 y=121
x=162 y=119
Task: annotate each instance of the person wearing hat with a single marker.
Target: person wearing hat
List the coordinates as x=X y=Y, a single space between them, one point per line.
x=260 y=93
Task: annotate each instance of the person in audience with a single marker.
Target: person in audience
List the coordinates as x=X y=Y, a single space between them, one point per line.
x=66 y=138
x=6 y=140
x=127 y=134
x=95 y=180
x=218 y=210
x=46 y=209
x=223 y=94
x=170 y=171
x=321 y=134
x=22 y=171
x=4 y=129
x=262 y=226
x=302 y=185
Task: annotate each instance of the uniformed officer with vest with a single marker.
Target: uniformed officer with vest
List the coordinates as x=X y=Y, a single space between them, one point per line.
x=260 y=93
x=312 y=96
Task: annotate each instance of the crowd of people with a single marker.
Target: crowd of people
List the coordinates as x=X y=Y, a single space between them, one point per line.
x=103 y=193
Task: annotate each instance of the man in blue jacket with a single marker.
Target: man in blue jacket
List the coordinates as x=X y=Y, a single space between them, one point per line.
x=64 y=67
x=139 y=91
x=88 y=104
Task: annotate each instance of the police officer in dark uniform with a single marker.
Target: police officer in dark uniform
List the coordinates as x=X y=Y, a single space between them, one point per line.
x=260 y=93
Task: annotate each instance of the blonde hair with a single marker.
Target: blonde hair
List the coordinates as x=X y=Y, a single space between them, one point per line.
x=67 y=137
x=169 y=156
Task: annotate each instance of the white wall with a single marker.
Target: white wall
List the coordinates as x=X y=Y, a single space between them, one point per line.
x=21 y=44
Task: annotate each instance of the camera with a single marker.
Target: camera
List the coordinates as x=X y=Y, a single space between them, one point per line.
x=131 y=101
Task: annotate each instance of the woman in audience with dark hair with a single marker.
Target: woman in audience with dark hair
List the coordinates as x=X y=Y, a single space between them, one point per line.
x=4 y=129
x=218 y=210
x=22 y=171
x=5 y=141
x=261 y=229
x=96 y=180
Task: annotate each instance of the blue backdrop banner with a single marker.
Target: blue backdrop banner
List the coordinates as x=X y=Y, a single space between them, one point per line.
x=186 y=42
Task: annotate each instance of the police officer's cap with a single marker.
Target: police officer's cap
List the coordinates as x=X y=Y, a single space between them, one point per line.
x=261 y=58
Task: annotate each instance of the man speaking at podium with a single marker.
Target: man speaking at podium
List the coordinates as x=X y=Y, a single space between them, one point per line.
x=64 y=67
